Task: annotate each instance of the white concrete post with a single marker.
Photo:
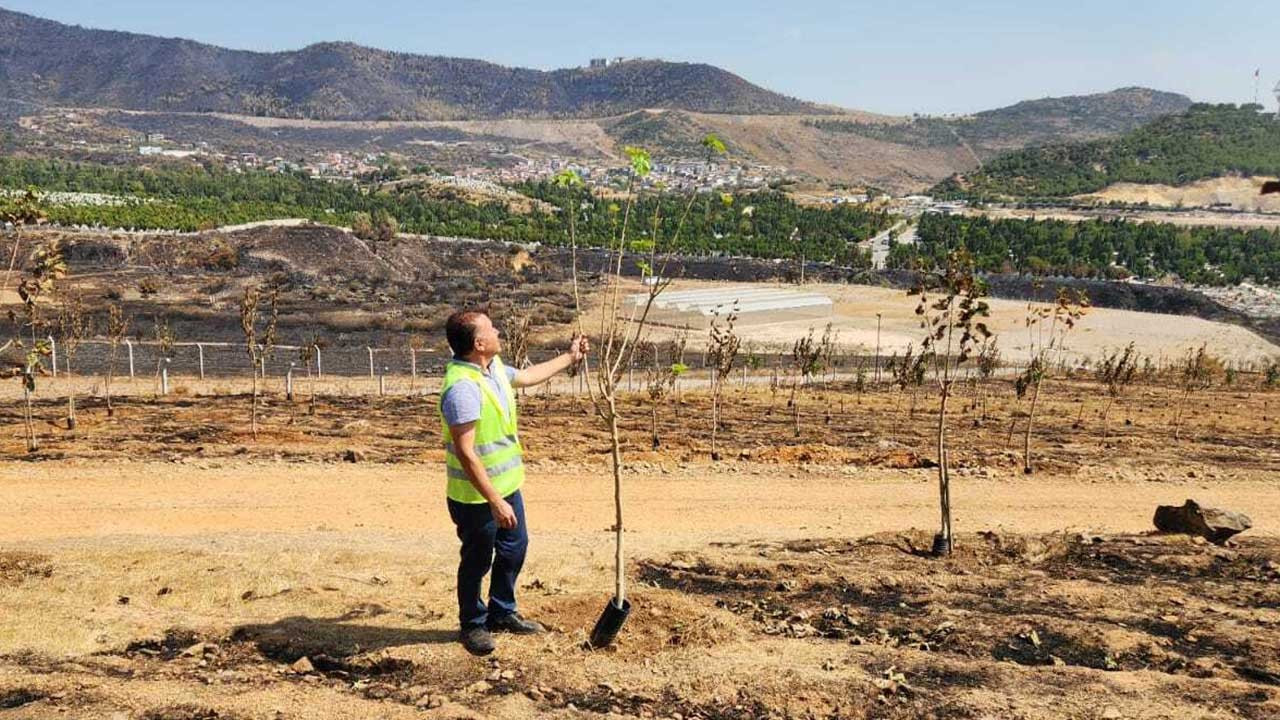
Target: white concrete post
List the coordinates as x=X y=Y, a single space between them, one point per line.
x=53 y=355
x=129 y=344
x=366 y=347
x=200 y=349
x=164 y=378
x=288 y=383
x=382 y=382
x=413 y=363
x=319 y=367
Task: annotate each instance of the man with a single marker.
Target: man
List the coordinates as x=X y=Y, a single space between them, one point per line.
x=485 y=469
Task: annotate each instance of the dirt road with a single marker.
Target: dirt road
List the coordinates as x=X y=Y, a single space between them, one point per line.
x=51 y=502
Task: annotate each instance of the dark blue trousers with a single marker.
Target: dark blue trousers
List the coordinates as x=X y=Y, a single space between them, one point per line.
x=486 y=545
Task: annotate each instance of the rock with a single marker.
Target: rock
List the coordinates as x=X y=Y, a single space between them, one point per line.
x=1110 y=713
x=197 y=650
x=303 y=666
x=1213 y=524
x=353 y=455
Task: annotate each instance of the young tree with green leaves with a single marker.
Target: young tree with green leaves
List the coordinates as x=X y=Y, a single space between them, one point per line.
x=46 y=269
x=950 y=311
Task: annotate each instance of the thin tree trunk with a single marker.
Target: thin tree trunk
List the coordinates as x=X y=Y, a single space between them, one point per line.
x=653 y=425
x=1026 y=443
x=944 y=476
x=715 y=402
x=111 y=367
x=32 y=445
x=1177 y=418
x=795 y=408
x=254 y=415
x=619 y=574
x=1106 y=413
x=71 y=411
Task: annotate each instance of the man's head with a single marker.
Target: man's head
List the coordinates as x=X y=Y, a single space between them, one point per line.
x=472 y=336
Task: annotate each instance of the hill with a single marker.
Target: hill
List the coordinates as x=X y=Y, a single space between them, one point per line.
x=1028 y=123
x=52 y=63
x=1207 y=141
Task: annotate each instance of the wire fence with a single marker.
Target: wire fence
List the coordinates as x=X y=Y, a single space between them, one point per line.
x=360 y=369
x=207 y=360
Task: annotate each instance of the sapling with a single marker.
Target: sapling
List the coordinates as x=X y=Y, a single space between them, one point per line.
x=1047 y=329
x=117 y=328
x=988 y=362
x=47 y=267
x=74 y=325
x=619 y=337
x=259 y=342
x=806 y=357
x=1196 y=373
x=660 y=380
x=166 y=340
x=1116 y=372
x=949 y=309
x=723 y=353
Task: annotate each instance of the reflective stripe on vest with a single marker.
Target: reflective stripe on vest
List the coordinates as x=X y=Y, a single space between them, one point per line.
x=497 y=441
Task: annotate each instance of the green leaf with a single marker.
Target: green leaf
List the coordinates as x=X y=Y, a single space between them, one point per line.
x=641 y=165
x=567 y=178
x=713 y=144
x=678 y=369
x=726 y=199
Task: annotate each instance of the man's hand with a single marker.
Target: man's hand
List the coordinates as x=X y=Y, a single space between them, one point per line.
x=503 y=514
x=579 y=347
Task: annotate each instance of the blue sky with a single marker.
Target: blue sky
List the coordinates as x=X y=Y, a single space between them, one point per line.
x=893 y=57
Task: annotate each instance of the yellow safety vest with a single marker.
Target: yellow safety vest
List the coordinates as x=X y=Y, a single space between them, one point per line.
x=497 y=440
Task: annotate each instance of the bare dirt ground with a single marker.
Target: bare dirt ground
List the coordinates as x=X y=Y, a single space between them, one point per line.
x=1166 y=337
x=162 y=564
x=1192 y=218
x=1241 y=193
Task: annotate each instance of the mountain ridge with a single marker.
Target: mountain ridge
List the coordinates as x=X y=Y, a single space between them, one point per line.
x=44 y=60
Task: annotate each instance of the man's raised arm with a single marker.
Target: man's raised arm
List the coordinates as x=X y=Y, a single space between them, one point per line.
x=542 y=372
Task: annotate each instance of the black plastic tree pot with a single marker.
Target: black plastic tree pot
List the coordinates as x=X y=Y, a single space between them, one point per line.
x=610 y=623
x=941 y=545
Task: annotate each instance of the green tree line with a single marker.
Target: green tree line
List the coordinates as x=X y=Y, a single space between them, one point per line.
x=764 y=224
x=1205 y=142
x=1110 y=249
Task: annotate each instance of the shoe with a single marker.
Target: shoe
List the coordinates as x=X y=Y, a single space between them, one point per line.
x=515 y=624
x=477 y=640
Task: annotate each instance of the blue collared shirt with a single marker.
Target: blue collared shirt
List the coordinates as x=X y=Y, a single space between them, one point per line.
x=462 y=401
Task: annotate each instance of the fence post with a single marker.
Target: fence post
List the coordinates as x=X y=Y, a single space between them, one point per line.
x=129 y=344
x=366 y=347
x=164 y=378
x=319 y=367
x=262 y=363
x=382 y=382
x=53 y=352
x=413 y=363
x=200 y=348
x=288 y=383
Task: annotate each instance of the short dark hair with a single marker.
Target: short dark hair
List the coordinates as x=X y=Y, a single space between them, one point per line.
x=460 y=330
